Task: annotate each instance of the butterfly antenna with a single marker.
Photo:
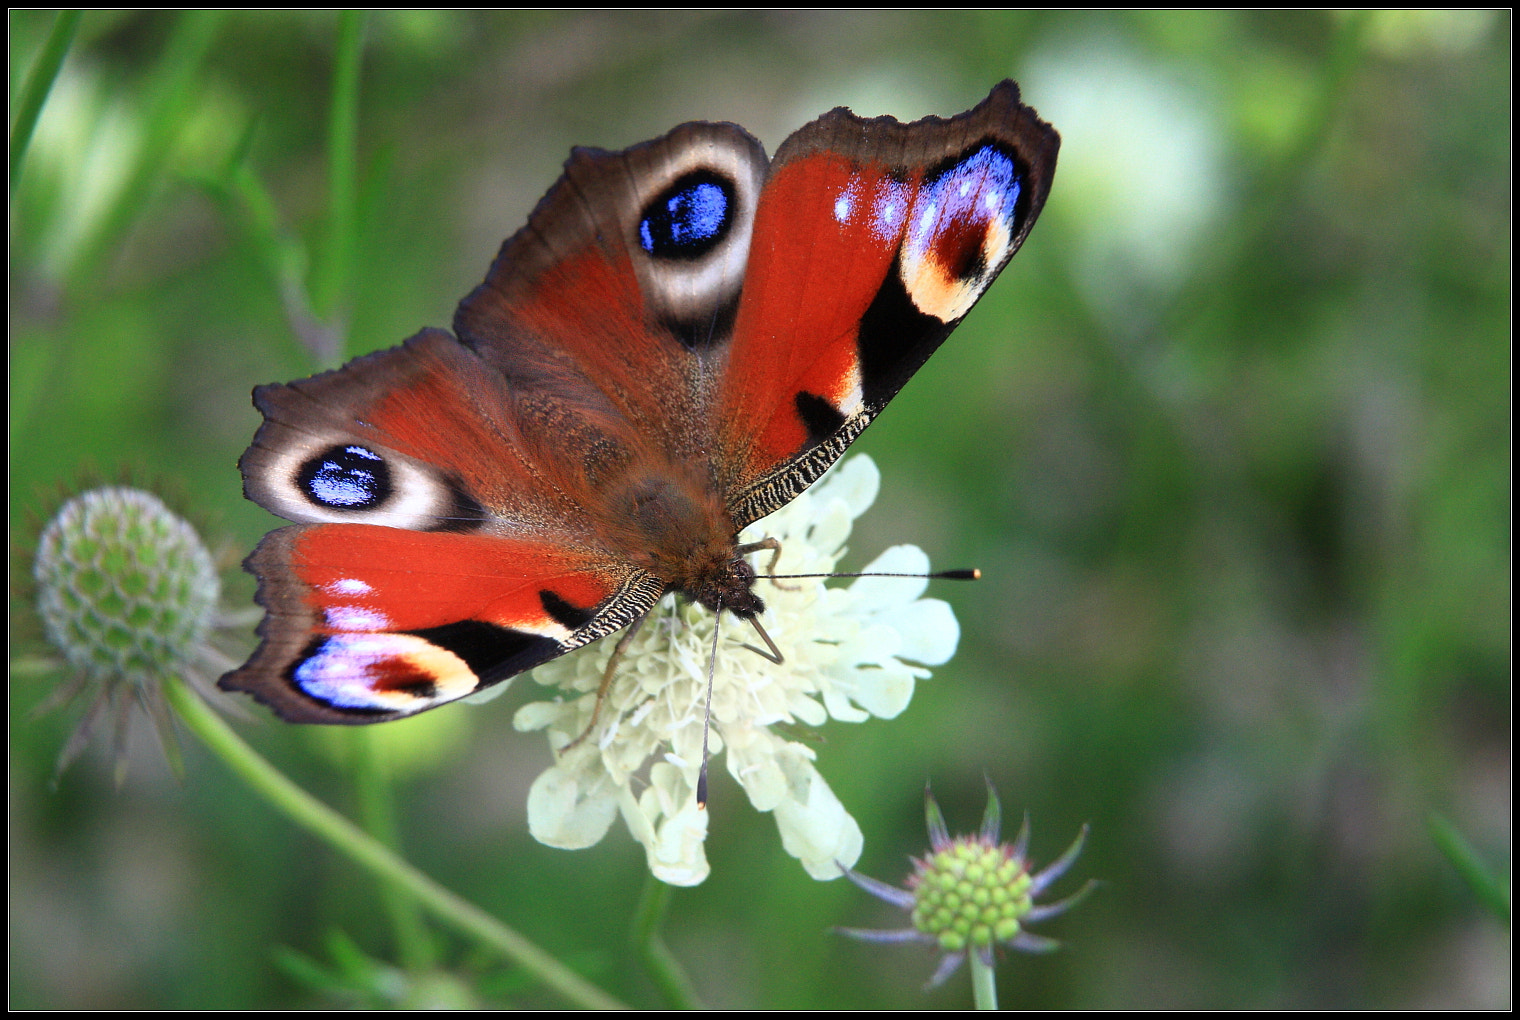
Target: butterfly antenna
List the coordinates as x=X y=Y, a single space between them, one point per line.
x=963 y=574
x=712 y=667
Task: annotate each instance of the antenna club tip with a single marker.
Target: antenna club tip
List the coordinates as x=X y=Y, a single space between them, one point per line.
x=967 y=574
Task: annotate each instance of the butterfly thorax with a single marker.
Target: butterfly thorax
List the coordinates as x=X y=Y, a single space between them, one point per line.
x=674 y=525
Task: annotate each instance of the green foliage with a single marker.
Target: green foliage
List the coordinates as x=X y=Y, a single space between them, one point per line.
x=1230 y=442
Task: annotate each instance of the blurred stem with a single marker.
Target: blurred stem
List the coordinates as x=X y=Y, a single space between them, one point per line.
x=1485 y=884
x=983 y=982
x=39 y=83
x=245 y=200
x=333 y=283
x=659 y=962
x=171 y=92
x=332 y=828
x=377 y=810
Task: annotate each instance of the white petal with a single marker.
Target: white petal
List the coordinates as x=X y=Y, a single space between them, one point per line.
x=758 y=771
x=805 y=709
x=563 y=814
x=893 y=591
x=831 y=524
x=678 y=858
x=672 y=828
x=856 y=481
x=770 y=769
x=537 y=715
x=928 y=629
x=839 y=706
x=885 y=690
x=817 y=830
x=489 y=694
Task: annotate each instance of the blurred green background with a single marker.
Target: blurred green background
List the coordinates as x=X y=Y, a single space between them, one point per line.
x=1230 y=441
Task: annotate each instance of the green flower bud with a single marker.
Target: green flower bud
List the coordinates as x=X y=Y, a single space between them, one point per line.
x=126 y=589
x=128 y=593
x=973 y=893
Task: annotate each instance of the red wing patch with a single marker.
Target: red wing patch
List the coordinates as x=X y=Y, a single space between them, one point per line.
x=826 y=238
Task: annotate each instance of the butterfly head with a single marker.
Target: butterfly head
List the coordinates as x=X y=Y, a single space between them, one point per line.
x=732 y=587
x=683 y=535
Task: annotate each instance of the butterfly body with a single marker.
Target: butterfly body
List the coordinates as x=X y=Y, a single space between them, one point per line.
x=685 y=335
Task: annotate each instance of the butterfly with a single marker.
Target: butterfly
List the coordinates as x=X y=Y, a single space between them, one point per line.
x=684 y=336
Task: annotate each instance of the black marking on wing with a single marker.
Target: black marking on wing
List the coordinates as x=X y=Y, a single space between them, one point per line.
x=710 y=330
x=895 y=341
x=821 y=418
x=465 y=514
x=345 y=477
x=691 y=217
x=569 y=616
x=493 y=653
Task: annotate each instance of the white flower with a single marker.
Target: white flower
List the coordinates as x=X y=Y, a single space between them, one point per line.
x=851 y=653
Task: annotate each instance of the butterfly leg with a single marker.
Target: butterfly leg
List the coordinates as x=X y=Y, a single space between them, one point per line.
x=774 y=655
x=618 y=651
x=774 y=545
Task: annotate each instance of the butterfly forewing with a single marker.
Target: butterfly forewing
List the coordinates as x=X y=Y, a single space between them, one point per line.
x=875 y=238
x=367 y=623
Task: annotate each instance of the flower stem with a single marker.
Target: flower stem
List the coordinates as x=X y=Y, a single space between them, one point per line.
x=333 y=282
x=377 y=811
x=325 y=823
x=39 y=82
x=983 y=982
x=660 y=963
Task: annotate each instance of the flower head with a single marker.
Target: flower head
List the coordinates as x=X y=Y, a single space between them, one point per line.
x=972 y=893
x=128 y=593
x=850 y=653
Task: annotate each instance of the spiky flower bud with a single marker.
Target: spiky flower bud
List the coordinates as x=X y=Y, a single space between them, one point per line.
x=972 y=894
x=128 y=593
x=125 y=588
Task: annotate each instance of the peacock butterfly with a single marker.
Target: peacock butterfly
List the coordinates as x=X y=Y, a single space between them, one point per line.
x=682 y=339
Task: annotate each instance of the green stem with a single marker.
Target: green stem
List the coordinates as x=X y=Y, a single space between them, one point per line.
x=171 y=95
x=39 y=82
x=983 y=982
x=1486 y=883
x=334 y=283
x=331 y=827
x=660 y=963
x=377 y=809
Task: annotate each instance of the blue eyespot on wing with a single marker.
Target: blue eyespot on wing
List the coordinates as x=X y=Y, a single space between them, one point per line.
x=346 y=478
x=690 y=218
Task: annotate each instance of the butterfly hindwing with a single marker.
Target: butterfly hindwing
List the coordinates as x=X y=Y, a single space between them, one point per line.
x=626 y=280
x=440 y=552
